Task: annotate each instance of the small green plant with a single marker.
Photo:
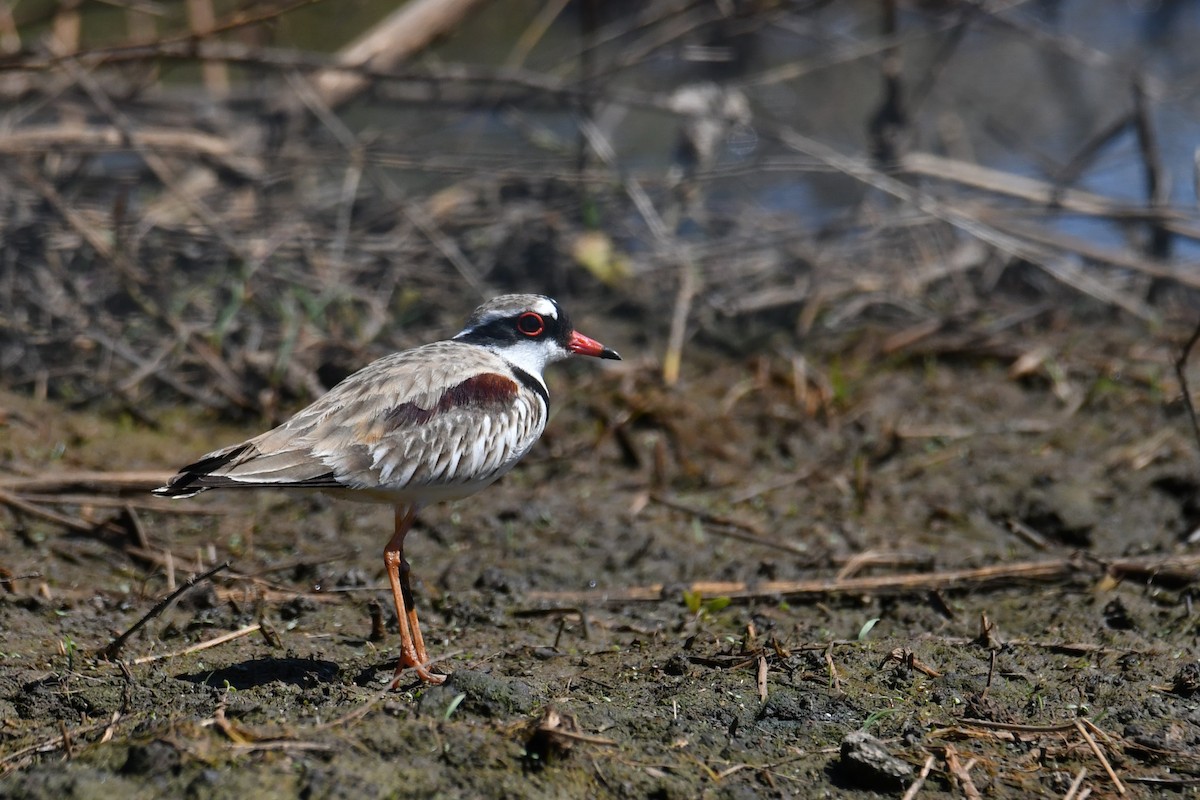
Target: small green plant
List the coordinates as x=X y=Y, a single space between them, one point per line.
x=866 y=628
x=453 y=706
x=68 y=647
x=697 y=605
x=876 y=716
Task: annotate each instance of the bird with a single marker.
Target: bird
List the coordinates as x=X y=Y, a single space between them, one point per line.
x=436 y=422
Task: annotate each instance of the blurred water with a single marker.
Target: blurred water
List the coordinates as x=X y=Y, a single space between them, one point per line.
x=1023 y=91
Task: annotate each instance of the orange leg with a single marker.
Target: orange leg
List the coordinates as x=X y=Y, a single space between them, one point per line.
x=412 y=644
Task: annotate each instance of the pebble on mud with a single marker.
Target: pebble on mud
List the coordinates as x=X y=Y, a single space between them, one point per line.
x=864 y=761
x=677 y=665
x=1186 y=681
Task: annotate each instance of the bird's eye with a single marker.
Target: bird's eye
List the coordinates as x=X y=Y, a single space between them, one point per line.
x=530 y=324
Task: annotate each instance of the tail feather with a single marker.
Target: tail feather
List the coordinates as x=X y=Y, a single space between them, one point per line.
x=191 y=479
x=244 y=466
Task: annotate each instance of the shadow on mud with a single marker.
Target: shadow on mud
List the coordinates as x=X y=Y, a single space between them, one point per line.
x=262 y=671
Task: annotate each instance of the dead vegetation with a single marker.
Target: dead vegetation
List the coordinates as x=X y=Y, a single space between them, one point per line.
x=904 y=353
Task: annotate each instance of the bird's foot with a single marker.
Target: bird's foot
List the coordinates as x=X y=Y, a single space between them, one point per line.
x=422 y=670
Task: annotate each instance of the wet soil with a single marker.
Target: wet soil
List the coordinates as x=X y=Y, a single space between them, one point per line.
x=705 y=502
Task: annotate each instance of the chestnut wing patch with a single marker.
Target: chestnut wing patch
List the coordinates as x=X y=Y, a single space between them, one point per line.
x=479 y=391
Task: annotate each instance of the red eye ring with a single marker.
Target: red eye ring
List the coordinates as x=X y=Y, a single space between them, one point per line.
x=531 y=324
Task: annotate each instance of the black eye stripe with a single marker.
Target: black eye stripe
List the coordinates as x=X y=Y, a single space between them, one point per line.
x=507 y=329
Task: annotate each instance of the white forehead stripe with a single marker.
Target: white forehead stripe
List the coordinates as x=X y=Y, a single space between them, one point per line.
x=545 y=307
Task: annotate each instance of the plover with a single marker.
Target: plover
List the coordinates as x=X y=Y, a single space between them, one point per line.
x=437 y=422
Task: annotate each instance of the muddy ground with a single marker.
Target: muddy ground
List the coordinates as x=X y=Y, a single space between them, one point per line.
x=718 y=504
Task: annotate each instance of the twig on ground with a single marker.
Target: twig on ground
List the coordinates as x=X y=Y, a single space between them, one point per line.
x=834 y=680
x=751 y=492
x=282 y=744
x=114 y=647
x=206 y=644
x=1073 y=790
x=36 y=139
x=91 y=481
x=762 y=679
x=718 y=519
x=961 y=774
x=1014 y=727
x=70 y=523
x=154 y=504
x=1031 y=190
x=1083 y=731
x=1026 y=533
x=1178 y=570
x=7 y=579
x=136 y=529
x=1055 y=569
x=920 y=779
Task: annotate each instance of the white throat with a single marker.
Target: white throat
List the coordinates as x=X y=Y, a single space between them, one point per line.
x=531 y=356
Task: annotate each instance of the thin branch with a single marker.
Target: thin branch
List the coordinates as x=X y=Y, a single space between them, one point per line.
x=1073 y=791
x=920 y=781
x=1052 y=570
x=206 y=644
x=114 y=647
x=1083 y=731
x=1181 y=373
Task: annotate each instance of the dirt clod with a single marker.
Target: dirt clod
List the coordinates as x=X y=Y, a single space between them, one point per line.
x=865 y=761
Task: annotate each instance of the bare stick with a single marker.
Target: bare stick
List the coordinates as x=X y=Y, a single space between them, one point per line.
x=886 y=126
x=961 y=774
x=1159 y=246
x=920 y=781
x=7 y=579
x=202 y=19
x=155 y=504
x=673 y=357
x=1014 y=727
x=1031 y=190
x=718 y=519
x=1075 y=784
x=1056 y=569
x=114 y=647
x=222 y=639
x=832 y=668
x=1083 y=731
x=67 y=521
x=85 y=480
x=408 y=31
x=1180 y=367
